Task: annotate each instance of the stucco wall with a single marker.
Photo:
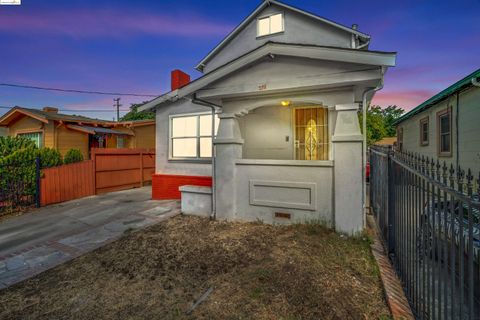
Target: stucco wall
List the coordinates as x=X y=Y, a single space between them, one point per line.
x=468 y=113
x=165 y=166
x=285 y=187
x=299 y=29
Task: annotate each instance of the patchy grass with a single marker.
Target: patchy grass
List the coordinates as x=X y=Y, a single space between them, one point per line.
x=257 y=271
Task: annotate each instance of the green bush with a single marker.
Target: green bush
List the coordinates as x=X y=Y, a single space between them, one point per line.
x=49 y=158
x=72 y=156
x=9 y=145
x=18 y=166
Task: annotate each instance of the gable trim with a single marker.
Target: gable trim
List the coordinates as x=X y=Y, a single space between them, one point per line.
x=4 y=119
x=250 y=18
x=386 y=59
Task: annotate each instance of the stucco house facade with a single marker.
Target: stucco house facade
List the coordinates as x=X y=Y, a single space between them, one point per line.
x=285 y=87
x=446 y=126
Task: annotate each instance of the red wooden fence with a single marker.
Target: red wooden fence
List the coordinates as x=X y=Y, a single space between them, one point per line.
x=109 y=170
x=67 y=182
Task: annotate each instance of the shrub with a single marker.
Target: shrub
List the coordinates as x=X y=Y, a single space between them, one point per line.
x=9 y=145
x=72 y=156
x=49 y=158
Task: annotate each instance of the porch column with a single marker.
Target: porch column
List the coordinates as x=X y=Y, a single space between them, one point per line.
x=347 y=155
x=228 y=145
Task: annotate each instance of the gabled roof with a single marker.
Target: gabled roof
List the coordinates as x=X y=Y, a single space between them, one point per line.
x=377 y=58
x=45 y=117
x=457 y=86
x=262 y=6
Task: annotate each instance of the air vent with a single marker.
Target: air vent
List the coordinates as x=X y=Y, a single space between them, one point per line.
x=283 y=215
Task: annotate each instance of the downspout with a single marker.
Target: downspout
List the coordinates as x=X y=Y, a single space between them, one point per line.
x=213 y=107
x=364 y=151
x=457 y=138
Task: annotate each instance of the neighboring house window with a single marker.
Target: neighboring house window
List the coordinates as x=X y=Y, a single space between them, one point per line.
x=270 y=25
x=424 y=133
x=444 y=132
x=34 y=136
x=400 y=139
x=191 y=136
x=120 y=142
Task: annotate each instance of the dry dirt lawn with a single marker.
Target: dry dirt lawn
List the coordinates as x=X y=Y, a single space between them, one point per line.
x=256 y=271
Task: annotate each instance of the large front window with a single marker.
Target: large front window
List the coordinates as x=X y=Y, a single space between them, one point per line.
x=36 y=137
x=311 y=134
x=191 y=136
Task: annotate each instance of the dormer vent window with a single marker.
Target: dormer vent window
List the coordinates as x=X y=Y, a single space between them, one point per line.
x=270 y=25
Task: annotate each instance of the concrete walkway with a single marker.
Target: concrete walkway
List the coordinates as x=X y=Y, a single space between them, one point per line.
x=46 y=237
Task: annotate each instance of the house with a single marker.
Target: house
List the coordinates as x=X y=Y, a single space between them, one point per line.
x=3 y=132
x=387 y=141
x=284 y=88
x=446 y=126
x=51 y=129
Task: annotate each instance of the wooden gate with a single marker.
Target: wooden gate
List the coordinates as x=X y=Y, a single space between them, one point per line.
x=108 y=170
x=120 y=169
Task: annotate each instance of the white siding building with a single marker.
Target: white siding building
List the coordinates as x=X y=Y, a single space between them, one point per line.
x=286 y=86
x=446 y=126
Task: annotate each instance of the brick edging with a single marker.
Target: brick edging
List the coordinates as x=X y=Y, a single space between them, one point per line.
x=395 y=296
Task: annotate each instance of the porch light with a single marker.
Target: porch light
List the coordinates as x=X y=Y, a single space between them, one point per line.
x=286 y=103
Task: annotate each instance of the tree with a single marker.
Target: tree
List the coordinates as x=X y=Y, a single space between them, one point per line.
x=134 y=114
x=380 y=122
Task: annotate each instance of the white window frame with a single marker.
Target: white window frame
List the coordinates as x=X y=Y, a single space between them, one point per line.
x=269 y=16
x=197 y=158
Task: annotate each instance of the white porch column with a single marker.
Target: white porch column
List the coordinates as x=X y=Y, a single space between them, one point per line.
x=228 y=144
x=347 y=155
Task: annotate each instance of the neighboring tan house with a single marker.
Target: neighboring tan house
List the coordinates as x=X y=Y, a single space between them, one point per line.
x=48 y=128
x=446 y=126
x=387 y=141
x=286 y=86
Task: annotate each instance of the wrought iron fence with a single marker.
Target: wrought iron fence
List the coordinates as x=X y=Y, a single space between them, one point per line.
x=429 y=216
x=19 y=186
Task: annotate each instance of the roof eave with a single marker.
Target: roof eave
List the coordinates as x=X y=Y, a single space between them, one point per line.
x=200 y=66
x=384 y=59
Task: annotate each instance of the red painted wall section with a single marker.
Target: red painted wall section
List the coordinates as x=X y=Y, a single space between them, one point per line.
x=165 y=186
x=179 y=79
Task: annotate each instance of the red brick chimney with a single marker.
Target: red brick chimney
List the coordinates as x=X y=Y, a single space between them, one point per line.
x=50 y=109
x=179 y=79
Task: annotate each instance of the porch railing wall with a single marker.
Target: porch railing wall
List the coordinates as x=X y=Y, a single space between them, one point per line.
x=428 y=214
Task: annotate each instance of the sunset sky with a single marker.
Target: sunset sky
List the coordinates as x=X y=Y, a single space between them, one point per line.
x=131 y=46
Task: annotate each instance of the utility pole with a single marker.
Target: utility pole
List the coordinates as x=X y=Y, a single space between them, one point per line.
x=116 y=103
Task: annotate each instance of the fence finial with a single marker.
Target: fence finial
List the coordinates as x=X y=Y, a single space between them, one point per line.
x=469 y=182
x=452 y=174
x=445 y=169
x=460 y=176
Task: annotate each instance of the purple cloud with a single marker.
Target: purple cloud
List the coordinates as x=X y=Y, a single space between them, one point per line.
x=109 y=23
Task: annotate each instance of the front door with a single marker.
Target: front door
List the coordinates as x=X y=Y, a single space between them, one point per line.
x=311 y=133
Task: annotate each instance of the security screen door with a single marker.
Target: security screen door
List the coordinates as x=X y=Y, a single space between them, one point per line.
x=311 y=133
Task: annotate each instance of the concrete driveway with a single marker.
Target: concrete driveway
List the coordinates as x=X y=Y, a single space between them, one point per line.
x=39 y=240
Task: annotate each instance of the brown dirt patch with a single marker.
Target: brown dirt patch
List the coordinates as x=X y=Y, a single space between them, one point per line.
x=257 y=272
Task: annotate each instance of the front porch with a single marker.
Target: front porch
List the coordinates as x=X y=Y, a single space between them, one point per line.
x=295 y=162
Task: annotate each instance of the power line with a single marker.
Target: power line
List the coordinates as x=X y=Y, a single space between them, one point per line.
x=74 y=110
x=76 y=91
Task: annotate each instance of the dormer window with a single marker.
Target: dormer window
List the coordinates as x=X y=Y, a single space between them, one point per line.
x=270 y=25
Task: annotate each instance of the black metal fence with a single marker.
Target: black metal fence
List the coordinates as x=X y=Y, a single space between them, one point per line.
x=429 y=216
x=19 y=186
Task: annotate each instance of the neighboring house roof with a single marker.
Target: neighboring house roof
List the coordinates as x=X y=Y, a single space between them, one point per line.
x=97 y=130
x=45 y=116
x=252 y=16
x=377 y=58
x=457 y=86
